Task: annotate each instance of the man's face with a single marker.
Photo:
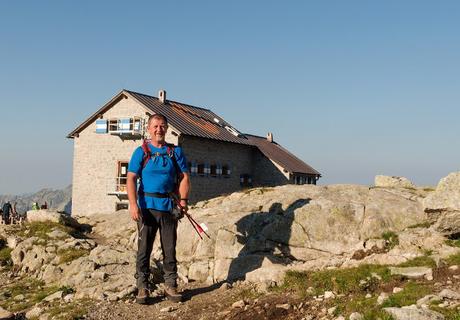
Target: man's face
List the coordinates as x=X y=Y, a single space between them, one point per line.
x=157 y=130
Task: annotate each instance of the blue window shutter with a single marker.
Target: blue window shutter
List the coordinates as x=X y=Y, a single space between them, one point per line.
x=124 y=124
x=194 y=168
x=101 y=126
x=219 y=170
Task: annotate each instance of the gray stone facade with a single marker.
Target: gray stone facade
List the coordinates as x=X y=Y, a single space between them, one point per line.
x=97 y=158
x=239 y=158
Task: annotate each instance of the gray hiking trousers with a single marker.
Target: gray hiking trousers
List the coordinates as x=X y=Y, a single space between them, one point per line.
x=147 y=227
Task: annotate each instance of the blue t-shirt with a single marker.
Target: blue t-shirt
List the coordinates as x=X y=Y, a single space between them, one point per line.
x=158 y=176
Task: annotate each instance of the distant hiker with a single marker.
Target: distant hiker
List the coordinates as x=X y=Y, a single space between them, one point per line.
x=35 y=206
x=162 y=169
x=7 y=209
x=44 y=206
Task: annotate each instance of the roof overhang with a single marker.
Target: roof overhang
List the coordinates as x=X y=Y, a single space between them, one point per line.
x=120 y=96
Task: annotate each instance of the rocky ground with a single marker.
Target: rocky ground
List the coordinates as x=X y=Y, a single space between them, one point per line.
x=306 y=252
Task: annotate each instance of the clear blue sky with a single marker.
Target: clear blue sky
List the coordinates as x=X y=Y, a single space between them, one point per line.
x=354 y=88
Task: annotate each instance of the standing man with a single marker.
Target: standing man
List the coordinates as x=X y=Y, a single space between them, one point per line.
x=162 y=170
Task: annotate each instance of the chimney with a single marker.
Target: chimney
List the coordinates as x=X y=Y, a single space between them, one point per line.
x=270 y=137
x=162 y=95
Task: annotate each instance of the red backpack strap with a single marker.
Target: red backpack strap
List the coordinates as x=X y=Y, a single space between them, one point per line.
x=170 y=150
x=147 y=153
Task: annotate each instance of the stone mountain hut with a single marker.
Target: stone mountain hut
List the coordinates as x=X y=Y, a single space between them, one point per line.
x=221 y=158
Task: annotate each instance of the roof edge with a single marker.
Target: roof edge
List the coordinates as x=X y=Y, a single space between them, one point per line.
x=104 y=108
x=185 y=104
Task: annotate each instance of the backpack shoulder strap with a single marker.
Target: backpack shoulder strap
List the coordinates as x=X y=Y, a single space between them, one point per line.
x=170 y=150
x=147 y=153
x=172 y=154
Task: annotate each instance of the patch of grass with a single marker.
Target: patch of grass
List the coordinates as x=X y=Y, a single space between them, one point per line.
x=420 y=225
x=248 y=294
x=71 y=311
x=33 y=291
x=41 y=229
x=428 y=189
x=422 y=261
x=366 y=306
x=341 y=281
x=5 y=257
x=71 y=254
x=453 y=259
x=449 y=314
x=391 y=238
x=410 y=294
x=453 y=242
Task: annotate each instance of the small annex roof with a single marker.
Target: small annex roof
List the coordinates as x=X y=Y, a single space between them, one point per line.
x=281 y=156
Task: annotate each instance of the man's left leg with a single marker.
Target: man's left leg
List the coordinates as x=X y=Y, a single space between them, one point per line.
x=168 y=237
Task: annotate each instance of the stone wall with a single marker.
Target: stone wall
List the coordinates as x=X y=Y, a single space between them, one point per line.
x=238 y=157
x=268 y=173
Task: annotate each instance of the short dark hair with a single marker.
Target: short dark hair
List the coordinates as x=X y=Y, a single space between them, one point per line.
x=157 y=116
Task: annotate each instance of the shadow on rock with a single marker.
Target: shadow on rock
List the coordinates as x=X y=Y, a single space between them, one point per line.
x=265 y=236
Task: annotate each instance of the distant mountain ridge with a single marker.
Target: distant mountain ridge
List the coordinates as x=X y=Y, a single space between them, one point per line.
x=57 y=199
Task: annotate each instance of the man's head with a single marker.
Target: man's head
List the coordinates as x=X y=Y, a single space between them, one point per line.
x=157 y=127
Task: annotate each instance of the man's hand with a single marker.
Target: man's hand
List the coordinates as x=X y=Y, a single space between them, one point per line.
x=135 y=212
x=184 y=207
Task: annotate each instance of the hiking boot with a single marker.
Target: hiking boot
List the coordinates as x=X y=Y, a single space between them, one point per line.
x=142 y=296
x=172 y=294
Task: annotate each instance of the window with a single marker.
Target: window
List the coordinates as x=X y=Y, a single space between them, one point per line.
x=122 y=176
x=121 y=206
x=225 y=170
x=126 y=125
x=213 y=170
x=245 y=180
x=193 y=168
x=200 y=169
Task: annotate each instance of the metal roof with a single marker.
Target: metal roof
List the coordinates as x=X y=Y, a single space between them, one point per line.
x=190 y=120
x=281 y=156
x=204 y=123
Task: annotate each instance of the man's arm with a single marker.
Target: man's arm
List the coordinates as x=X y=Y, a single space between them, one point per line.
x=184 y=190
x=131 y=184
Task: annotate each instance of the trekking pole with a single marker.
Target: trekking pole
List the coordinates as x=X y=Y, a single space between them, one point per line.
x=198 y=226
x=199 y=230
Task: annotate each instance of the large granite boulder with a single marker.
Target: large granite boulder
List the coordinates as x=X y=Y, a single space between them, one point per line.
x=392 y=182
x=443 y=205
x=280 y=227
x=45 y=215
